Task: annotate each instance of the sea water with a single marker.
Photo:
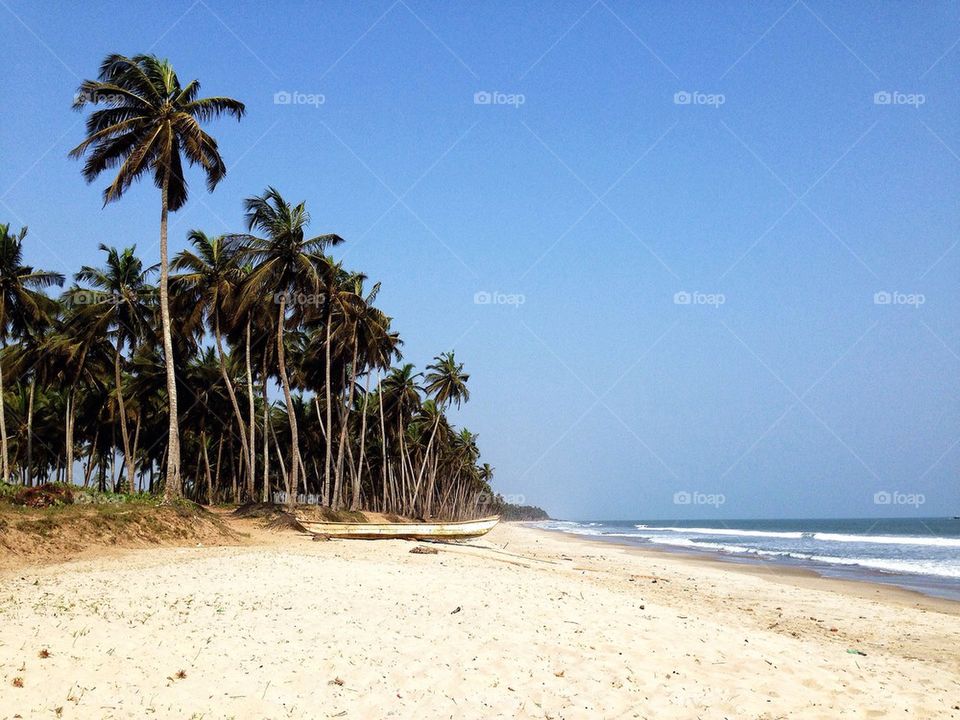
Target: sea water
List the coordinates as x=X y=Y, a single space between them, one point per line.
x=920 y=554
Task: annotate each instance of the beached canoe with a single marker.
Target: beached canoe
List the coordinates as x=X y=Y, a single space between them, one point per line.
x=461 y=530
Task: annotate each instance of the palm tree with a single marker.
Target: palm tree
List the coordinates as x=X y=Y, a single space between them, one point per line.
x=209 y=280
x=343 y=303
x=376 y=347
x=21 y=304
x=119 y=302
x=402 y=398
x=485 y=472
x=26 y=359
x=287 y=265
x=447 y=382
x=81 y=359
x=149 y=119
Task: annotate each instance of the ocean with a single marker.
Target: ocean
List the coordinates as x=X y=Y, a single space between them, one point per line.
x=921 y=554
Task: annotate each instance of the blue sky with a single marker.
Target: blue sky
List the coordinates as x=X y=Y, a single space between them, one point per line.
x=687 y=218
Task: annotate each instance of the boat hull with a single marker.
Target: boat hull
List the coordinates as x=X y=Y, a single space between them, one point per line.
x=462 y=530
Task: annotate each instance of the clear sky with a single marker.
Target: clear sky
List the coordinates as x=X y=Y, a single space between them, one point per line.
x=623 y=153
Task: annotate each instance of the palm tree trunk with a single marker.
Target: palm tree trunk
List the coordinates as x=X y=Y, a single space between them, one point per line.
x=283 y=467
x=327 y=459
x=245 y=448
x=136 y=444
x=432 y=485
x=313 y=462
x=33 y=385
x=355 y=501
x=173 y=487
x=206 y=467
x=127 y=455
x=404 y=487
x=253 y=431
x=216 y=479
x=266 y=438
x=69 y=438
x=3 y=428
x=383 y=443
x=426 y=458
x=113 y=456
x=88 y=471
x=343 y=429
x=291 y=415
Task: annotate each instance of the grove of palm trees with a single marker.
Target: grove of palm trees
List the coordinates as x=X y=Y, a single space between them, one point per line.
x=251 y=367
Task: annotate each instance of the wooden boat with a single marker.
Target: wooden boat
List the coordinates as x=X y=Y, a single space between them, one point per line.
x=459 y=530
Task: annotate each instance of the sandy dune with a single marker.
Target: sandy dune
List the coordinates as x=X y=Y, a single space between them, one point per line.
x=523 y=624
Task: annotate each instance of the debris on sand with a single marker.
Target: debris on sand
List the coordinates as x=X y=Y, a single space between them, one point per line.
x=273 y=517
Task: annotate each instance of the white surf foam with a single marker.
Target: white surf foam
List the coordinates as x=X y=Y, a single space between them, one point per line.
x=889 y=539
x=728 y=532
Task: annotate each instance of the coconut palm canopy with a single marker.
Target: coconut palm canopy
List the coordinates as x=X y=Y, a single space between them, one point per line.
x=147 y=121
x=284 y=366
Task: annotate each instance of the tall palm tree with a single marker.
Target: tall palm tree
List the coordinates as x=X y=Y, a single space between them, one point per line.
x=118 y=303
x=209 y=278
x=447 y=382
x=148 y=121
x=341 y=302
x=376 y=346
x=22 y=303
x=27 y=359
x=402 y=398
x=485 y=472
x=287 y=265
x=82 y=360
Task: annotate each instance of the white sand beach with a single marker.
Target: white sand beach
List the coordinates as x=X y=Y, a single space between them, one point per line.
x=521 y=624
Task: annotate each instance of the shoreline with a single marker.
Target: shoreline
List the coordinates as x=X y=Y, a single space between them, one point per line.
x=524 y=623
x=809 y=577
x=924 y=584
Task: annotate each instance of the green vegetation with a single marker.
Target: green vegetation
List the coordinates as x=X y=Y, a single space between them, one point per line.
x=99 y=378
x=509 y=511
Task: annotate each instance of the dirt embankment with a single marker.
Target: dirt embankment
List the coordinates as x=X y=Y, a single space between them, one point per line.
x=53 y=523
x=31 y=535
